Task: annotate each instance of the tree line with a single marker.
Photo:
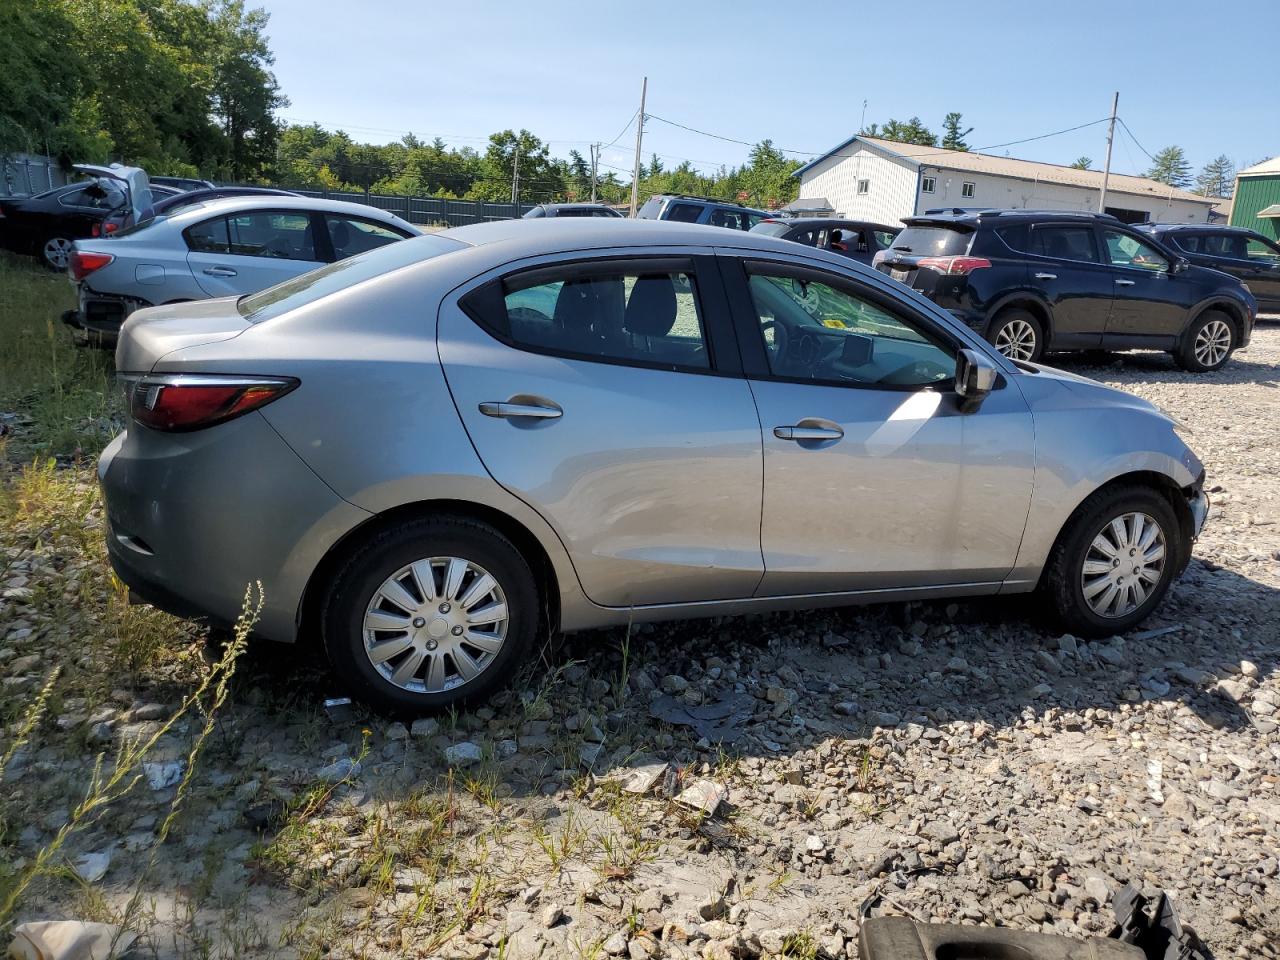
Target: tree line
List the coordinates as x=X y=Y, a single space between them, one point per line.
x=177 y=87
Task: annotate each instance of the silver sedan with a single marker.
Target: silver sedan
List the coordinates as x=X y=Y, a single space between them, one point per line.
x=434 y=452
x=224 y=247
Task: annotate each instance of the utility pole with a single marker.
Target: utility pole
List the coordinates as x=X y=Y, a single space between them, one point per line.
x=515 y=177
x=635 y=172
x=1106 y=170
x=595 y=156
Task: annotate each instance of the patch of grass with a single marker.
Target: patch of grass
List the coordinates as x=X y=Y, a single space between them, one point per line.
x=62 y=393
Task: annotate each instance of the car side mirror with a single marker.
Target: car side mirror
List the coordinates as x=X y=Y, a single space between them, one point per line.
x=975 y=378
x=1181 y=264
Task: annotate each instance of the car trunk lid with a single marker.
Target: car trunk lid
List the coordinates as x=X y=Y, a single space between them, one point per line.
x=926 y=251
x=155 y=332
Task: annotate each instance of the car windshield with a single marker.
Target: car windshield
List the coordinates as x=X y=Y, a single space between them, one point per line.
x=933 y=241
x=135 y=228
x=312 y=286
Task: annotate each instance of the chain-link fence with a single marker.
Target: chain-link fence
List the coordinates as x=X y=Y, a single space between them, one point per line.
x=25 y=174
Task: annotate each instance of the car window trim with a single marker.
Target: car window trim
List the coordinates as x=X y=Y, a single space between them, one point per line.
x=723 y=355
x=736 y=273
x=226 y=232
x=311 y=219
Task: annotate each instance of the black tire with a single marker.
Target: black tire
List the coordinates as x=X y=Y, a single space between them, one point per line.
x=369 y=567
x=1012 y=324
x=1063 y=581
x=1195 y=354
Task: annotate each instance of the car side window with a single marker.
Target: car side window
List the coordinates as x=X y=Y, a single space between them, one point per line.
x=884 y=238
x=209 y=236
x=1226 y=245
x=1189 y=243
x=1263 y=251
x=1126 y=250
x=1064 y=242
x=728 y=218
x=352 y=235
x=684 y=212
x=273 y=235
x=633 y=313
x=828 y=333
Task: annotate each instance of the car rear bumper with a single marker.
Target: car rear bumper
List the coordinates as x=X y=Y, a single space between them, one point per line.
x=100 y=315
x=194 y=518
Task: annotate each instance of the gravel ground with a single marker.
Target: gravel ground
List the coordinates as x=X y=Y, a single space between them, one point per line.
x=952 y=762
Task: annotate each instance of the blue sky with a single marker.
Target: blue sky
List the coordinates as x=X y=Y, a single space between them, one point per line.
x=570 y=73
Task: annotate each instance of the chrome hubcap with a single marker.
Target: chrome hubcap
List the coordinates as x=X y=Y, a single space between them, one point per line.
x=435 y=624
x=1212 y=342
x=57 y=251
x=1123 y=565
x=1017 y=340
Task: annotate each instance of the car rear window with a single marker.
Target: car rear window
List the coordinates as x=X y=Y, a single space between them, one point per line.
x=333 y=277
x=772 y=228
x=933 y=241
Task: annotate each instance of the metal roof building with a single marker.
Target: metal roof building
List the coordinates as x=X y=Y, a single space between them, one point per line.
x=1256 y=203
x=882 y=180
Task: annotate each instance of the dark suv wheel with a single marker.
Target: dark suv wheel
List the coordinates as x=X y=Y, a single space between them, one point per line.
x=430 y=614
x=1208 y=342
x=1017 y=334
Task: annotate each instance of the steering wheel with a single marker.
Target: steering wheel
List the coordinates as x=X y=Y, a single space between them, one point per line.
x=781 y=339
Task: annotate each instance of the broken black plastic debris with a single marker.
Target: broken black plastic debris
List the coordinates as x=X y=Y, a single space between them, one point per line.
x=1153 y=927
x=897 y=938
x=718 y=721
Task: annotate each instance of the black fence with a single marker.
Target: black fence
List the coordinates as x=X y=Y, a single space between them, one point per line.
x=428 y=210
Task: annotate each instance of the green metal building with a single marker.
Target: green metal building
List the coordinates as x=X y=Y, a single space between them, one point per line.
x=1256 y=204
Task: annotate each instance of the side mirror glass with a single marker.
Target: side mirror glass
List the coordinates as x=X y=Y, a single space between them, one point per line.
x=975 y=378
x=1181 y=264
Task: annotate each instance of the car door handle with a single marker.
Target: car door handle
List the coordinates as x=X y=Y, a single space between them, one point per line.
x=801 y=432
x=1123 y=283
x=1046 y=276
x=220 y=271
x=534 y=411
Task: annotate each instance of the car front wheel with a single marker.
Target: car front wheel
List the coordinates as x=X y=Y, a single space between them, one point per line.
x=1114 y=562
x=431 y=614
x=1208 y=342
x=1018 y=335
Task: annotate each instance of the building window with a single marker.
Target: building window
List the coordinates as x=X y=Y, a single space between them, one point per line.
x=927 y=185
x=864 y=186
x=966 y=190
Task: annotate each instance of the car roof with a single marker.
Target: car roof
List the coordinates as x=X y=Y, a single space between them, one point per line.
x=572 y=206
x=712 y=200
x=1198 y=227
x=541 y=236
x=972 y=218
x=831 y=222
x=249 y=203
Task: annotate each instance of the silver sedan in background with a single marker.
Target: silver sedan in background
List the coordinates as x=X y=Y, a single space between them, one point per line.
x=433 y=452
x=224 y=247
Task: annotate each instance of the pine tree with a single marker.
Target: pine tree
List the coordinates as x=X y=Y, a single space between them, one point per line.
x=952 y=135
x=1171 y=167
x=1217 y=179
x=1083 y=163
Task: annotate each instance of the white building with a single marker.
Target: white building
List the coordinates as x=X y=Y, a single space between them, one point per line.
x=866 y=178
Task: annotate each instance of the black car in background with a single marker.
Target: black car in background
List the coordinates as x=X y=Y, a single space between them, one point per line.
x=45 y=225
x=684 y=208
x=167 y=204
x=855 y=239
x=1246 y=255
x=1031 y=281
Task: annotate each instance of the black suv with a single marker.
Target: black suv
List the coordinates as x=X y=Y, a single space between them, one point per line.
x=1031 y=281
x=1244 y=254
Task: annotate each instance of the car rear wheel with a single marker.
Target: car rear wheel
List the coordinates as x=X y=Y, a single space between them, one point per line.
x=431 y=614
x=55 y=253
x=1114 y=562
x=1208 y=343
x=1018 y=335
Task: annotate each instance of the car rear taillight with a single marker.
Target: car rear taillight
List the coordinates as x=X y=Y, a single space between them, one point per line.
x=103 y=229
x=84 y=262
x=193 y=401
x=954 y=266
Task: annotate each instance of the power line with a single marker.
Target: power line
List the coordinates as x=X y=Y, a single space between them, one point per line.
x=1135 y=139
x=624 y=130
x=914 y=156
